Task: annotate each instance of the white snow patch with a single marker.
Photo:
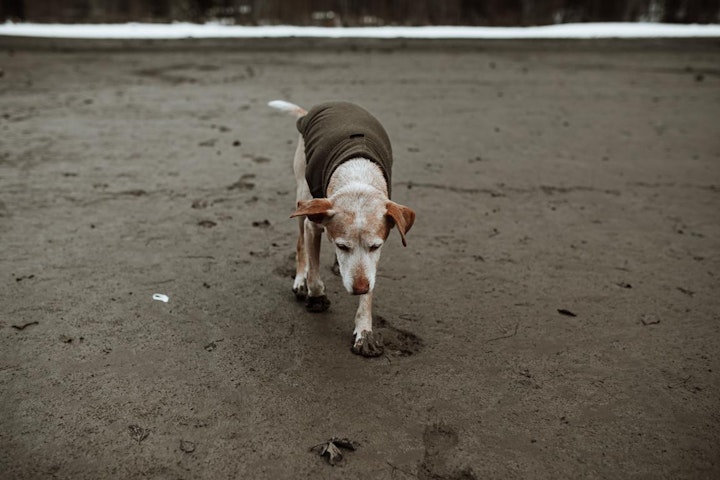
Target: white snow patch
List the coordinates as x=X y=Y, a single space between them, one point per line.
x=216 y=30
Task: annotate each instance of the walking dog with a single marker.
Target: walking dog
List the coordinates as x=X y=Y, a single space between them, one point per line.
x=343 y=166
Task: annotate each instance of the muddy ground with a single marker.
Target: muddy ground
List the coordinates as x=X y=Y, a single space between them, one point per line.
x=547 y=176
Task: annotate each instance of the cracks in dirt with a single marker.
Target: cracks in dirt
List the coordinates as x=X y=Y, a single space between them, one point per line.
x=191 y=73
x=107 y=196
x=606 y=67
x=711 y=188
x=684 y=384
x=451 y=188
x=505 y=336
x=163 y=73
x=546 y=189
x=551 y=190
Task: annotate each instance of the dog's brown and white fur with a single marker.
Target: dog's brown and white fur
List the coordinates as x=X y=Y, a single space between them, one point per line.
x=357 y=216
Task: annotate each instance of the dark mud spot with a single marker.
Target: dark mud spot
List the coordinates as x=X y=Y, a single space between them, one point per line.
x=212 y=345
x=243 y=183
x=317 y=304
x=440 y=442
x=287 y=270
x=199 y=204
x=397 y=341
x=208 y=143
x=134 y=193
x=648 y=320
x=187 y=446
x=687 y=292
x=207 y=223
x=261 y=224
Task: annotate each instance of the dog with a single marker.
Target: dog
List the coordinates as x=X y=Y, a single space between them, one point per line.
x=343 y=166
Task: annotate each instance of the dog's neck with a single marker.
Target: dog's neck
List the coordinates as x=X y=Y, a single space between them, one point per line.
x=358 y=174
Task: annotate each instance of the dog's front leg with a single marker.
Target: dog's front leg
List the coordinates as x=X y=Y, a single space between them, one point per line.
x=316 y=301
x=366 y=343
x=300 y=282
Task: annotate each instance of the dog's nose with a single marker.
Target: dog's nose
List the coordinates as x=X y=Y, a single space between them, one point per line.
x=361 y=286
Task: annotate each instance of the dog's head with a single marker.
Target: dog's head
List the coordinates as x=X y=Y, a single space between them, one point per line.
x=357 y=224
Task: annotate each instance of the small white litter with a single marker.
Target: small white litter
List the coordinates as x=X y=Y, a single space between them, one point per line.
x=161 y=297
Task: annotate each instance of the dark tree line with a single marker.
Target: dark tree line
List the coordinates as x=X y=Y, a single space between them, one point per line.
x=364 y=12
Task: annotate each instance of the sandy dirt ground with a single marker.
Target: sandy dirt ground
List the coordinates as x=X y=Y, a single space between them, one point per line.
x=551 y=176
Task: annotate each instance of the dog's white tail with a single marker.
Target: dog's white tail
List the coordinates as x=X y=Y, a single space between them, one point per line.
x=288 y=107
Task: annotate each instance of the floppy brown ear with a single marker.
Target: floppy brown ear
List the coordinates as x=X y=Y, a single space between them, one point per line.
x=317 y=209
x=403 y=218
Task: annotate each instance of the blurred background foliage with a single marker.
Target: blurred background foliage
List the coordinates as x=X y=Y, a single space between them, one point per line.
x=363 y=12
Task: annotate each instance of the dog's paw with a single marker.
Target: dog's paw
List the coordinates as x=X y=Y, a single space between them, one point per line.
x=300 y=290
x=368 y=345
x=317 y=304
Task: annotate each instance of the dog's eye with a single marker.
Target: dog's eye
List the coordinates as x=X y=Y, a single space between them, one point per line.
x=343 y=247
x=374 y=247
